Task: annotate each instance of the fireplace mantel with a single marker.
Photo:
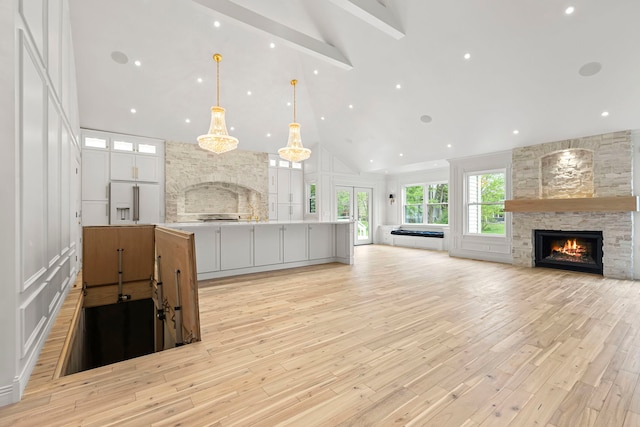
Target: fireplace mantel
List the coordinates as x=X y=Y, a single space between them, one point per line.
x=588 y=204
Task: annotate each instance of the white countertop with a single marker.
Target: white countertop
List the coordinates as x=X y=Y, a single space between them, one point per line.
x=240 y=223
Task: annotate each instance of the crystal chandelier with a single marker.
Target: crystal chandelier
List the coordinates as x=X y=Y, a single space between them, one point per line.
x=217 y=139
x=294 y=151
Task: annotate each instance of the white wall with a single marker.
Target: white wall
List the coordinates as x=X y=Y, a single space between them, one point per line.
x=483 y=247
x=40 y=180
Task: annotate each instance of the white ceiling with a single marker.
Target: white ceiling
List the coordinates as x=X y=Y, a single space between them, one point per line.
x=523 y=73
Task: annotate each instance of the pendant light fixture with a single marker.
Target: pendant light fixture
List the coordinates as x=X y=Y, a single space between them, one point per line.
x=294 y=151
x=217 y=139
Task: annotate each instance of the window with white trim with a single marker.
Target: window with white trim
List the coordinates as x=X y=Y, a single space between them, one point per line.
x=425 y=203
x=485 y=203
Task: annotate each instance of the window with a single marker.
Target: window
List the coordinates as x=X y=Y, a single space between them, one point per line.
x=147 y=148
x=95 y=142
x=123 y=145
x=311 y=198
x=426 y=204
x=485 y=203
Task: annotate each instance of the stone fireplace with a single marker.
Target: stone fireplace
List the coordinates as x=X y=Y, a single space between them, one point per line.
x=593 y=167
x=202 y=185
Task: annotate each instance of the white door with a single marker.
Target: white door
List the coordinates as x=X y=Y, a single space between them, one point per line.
x=354 y=204
x=362 y=207
x=123 y=166
x=147 y=168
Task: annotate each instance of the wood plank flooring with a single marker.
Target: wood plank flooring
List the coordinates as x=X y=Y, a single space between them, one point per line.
x=402 y=337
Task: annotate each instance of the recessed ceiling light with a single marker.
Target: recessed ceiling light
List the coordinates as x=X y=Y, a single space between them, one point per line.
x=187 y=120
x=515 y=132
x=351 y=106
x=119 y=57
x=199 y=79
x=248 y=92
x=288 y=103
x=371 y=161
x=216 y=24
x=137 y=63
x=569 y=10
x=272 y=45
x=589 y=69
x=467 y=55
x=322 y=118
x=268 y=135
x=315 y=72
x=398 y=86
x=604 y=114
x=448 y=145
x=232 y=128
x=133 y=111
x=401 y=154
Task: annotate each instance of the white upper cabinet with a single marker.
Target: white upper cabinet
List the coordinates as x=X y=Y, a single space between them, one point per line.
x=95 y=175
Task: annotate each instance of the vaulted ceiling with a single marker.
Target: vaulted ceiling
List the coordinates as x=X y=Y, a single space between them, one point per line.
x=385 y=86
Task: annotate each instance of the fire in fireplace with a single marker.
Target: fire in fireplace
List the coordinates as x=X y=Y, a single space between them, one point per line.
x=569 y=250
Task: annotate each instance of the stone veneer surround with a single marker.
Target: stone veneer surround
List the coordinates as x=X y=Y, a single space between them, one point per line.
x=193 y=174
x=612 y=176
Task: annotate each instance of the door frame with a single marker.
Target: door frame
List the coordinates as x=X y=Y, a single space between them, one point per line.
x=353 y=191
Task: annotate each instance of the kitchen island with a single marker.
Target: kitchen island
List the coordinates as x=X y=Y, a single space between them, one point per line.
x=231 y=248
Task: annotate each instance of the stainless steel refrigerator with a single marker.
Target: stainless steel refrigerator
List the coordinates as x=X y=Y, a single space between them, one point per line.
x=134 y=203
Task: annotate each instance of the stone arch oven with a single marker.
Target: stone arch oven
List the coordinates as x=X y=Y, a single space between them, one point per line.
x=218 y=200
x=202 y=186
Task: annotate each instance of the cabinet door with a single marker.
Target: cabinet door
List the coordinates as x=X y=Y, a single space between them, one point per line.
x=267 y=244
x=321 y=238
x=123 y=166
x=207 y=247
x=149 y=204
x=95 y=175
x=297 y=212
x=284 y=187
x=284 y=212
x=273 y=180
x=295 y=242
x=147 y=168
x=95 y=212
x=273 y=206
x=297 y=186
x=236 y=247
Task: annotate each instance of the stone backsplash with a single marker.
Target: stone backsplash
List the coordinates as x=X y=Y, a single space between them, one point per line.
x=544 y=171
x=199 y=182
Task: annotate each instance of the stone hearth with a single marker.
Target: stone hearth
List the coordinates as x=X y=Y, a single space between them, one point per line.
x=595 y=166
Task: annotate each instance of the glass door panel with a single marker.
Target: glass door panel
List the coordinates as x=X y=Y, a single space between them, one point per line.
x=363 y=216
x=344 y=203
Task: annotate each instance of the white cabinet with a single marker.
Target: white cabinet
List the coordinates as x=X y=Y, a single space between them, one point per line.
x=273 y=180
x=237 y=244
x=273 y=206
x=290 y=195
x=110 y=159
x=295 y=242
x=95 y=175
x=321 y=241
x=135 y=167
x=95 y=187
x=267 y=244
x=207 y=247
x=95 y=212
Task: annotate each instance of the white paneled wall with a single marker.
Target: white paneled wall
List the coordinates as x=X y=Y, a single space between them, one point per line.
x=39 y=251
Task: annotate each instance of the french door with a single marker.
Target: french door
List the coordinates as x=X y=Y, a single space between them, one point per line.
x=354 y=204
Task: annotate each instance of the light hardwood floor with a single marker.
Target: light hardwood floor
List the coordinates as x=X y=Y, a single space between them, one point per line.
x=403 y=337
